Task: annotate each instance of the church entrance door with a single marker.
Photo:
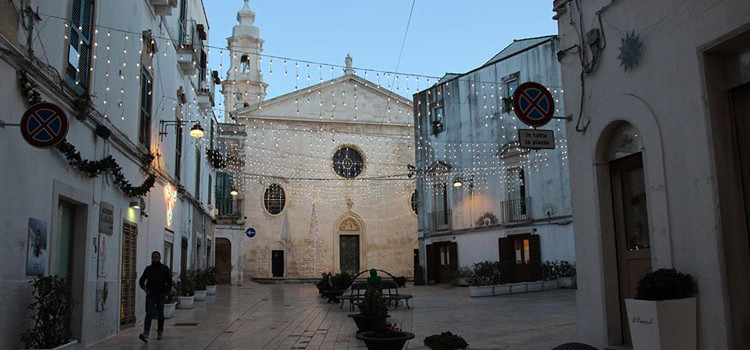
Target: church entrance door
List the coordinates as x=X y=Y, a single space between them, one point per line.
x=349 y=250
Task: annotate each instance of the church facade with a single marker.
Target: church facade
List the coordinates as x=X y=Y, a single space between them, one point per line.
x=323 y=180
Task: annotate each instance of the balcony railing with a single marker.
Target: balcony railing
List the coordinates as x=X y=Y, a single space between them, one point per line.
x=228 y=206
x=517 y=210
x=441 y=220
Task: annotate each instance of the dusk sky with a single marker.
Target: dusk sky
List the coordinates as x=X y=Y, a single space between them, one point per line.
x=443 y=36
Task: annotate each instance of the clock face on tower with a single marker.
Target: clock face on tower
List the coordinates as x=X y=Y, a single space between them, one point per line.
x=347 y=162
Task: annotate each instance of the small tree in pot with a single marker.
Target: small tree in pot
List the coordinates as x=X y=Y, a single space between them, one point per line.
x=211 y=280
x=663 y=315
x=51 y=309
x=187 y=290
x=383 y=335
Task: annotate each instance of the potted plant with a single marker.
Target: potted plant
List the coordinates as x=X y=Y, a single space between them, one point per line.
x=567 y=273
x=663 y=313
x=200 y=285
x=387 y=337
x=550 y=275
x=211 y=280
x=51 y=309
x=339 y=283
x=170 y=302
x=372 y=310
x=325 y=283
x=187 y=290
x=484 y=277
x=445 y=341
x=461 y=277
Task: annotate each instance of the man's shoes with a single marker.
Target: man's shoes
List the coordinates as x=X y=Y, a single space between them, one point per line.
x=158 y=336
x=143 y=337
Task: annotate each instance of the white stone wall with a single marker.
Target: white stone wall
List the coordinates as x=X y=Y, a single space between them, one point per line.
x=37 y=178
x=665 y=97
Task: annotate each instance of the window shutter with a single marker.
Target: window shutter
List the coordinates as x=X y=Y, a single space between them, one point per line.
x=79 y=55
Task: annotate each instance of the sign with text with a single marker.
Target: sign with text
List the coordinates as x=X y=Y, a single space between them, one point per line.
x=536 y=139
x=106 y=218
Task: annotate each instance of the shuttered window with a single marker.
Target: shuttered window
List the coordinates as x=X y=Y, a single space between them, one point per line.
x=79 y=49
x=128 y=280
x=144 y=131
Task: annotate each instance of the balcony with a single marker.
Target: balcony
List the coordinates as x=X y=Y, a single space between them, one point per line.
x=163 y=7
x=441 y=220
x=517 y=211
x=228 y=207
x=205 y=95
x=190 y=47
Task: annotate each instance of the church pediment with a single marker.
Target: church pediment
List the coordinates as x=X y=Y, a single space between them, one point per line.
x=439 y=167
x=349 y=225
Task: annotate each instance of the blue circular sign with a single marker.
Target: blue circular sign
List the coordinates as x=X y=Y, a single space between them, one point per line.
x=533 y=104
x=250 y=232
x=44 y=125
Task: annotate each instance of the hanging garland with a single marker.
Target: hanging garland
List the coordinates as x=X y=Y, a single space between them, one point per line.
x=94 y=168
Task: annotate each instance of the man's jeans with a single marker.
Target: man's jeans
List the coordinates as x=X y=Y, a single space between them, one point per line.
x=154 y=301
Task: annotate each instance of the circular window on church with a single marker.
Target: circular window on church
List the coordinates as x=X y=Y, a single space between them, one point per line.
x=347 y=162
x=274 y=199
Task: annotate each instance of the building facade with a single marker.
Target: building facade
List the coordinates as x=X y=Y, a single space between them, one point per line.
x=659 y=157
x=126 y=179
x=481 y=195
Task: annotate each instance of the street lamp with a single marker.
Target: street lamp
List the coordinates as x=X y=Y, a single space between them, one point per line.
x=457 y=182
x=195 y=131
x=234 y=192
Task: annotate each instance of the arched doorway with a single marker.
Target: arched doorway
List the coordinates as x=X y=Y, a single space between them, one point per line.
x=349 y=243
x=223 y=261
x=627 y=213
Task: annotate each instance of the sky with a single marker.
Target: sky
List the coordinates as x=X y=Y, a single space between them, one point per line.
x=443 y=35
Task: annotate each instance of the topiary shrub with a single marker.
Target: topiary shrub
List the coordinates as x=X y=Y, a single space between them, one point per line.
x=445 y=341
x=486 y=273
x=665 y=284
x=342 y=281
x=566 y=269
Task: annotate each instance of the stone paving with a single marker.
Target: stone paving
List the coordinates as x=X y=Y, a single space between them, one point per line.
x=293 y=316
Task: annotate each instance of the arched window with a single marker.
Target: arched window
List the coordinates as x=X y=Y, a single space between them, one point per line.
x=347 y=162
x=244 y=64
x=274 y=199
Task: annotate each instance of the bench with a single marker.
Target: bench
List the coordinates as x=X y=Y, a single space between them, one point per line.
x=389 y=291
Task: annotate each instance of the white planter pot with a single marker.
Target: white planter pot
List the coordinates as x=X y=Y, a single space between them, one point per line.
x=501 y=289
x=567 y=282
x=549 y=285
x=211 y=289
x=169 y=310
x=519 y=287
x=200 y=295
x=664 y=324
x=534 y=286
x=480 y=291
x=186 y=302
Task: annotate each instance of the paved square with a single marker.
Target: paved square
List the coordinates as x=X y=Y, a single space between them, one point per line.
x=293 y=316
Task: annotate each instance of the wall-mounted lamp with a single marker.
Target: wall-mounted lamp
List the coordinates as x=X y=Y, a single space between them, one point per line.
x=457 y=182
x=135 y=205
x=196 y=131
x=234 y=192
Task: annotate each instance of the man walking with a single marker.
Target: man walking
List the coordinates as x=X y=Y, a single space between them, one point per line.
x=156 y=281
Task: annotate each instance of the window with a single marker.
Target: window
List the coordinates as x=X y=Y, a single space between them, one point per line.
x=274 y=199
x=510 y=83
x=437 y=114
x=178 y=147
x=198 y=171
x=224 y=200
x=209 y=188
x=415 y=202
x=79 y=48
x=144 y=130
x=347 y=162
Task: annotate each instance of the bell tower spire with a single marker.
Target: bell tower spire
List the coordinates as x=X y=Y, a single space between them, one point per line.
x=244 y=84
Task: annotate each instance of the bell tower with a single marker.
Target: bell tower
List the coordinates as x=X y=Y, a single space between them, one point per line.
x=244 y=84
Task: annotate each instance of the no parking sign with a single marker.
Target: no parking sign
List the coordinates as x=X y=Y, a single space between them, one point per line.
x=44 y=125
x=533 y=104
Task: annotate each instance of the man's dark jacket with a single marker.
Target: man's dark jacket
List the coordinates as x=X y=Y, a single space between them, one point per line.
x=156 y=279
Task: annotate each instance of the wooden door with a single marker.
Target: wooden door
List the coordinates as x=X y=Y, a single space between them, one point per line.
x=631 y=229
x=349 y=254
x=431 y=263
x=277 y=263
x=223 y=261
x=128 y=275
x=741 y=111
x=521 y=257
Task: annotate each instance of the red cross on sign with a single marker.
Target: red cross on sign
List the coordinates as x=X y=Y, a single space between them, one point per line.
x=44 y=125
x=533 y=104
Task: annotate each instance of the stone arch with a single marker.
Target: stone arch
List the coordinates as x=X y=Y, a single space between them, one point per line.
x=349 y=224
x=636 y=113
